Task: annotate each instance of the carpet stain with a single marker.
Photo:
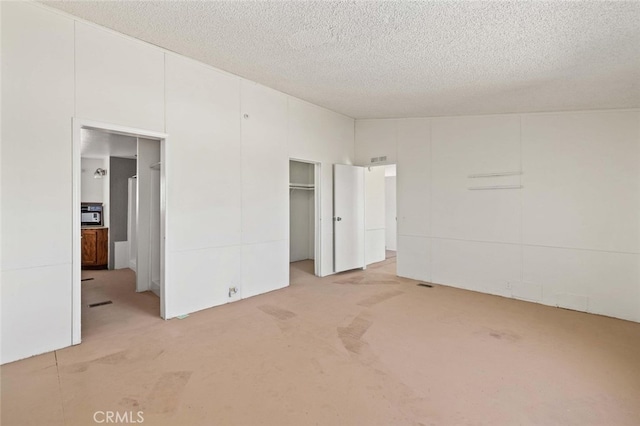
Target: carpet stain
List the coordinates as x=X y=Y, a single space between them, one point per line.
x=362 y=281
x=387 y=282
x=382 y=276
x=79 y=367
x=378 y=298
x=166 y=393
x=506 y=335
x=353 y=280
x=370 y=278
x=351 y=335
x=276 y=312
x=112 y=359
x=116 y=358
x=130 y=403
x=317 y=366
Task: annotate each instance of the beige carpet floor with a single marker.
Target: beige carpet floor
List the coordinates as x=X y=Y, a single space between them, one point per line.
x=358 y=348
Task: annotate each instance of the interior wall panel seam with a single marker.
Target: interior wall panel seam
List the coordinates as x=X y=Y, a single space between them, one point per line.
x=518 y=244
x=26 y=268
x=430 y=206
x=241 y=105
x=521 y=195
x=164 y=90
x=75 y=69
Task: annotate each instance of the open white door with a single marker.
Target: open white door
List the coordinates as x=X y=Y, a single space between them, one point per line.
x=132 y=222
x=147 y=243
x=374 y=208
x=348 y=217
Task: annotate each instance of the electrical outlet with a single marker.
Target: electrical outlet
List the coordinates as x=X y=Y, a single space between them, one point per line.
x=232 y=291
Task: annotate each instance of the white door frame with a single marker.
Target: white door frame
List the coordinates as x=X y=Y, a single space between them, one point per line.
x=76 y=260
x=317 y=196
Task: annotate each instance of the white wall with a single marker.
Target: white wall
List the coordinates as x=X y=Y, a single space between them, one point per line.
x=570 y=237
x=92 y=189
x=265 y=189
x=118 y=80
x=204 y=170
x=37 y=106
x=227 y=189
x=374 y=215
x=377 y=134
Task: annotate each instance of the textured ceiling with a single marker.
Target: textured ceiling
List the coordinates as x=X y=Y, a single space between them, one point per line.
x=404 y=59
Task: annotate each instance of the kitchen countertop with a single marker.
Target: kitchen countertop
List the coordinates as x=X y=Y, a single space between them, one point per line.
x=93 y=227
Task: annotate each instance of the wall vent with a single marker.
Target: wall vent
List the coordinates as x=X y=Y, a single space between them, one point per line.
x=378 y=159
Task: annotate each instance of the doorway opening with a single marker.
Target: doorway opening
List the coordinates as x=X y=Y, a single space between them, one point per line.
x=380 y=213
x=391 y=212
x=119 y=209
x=304 y=216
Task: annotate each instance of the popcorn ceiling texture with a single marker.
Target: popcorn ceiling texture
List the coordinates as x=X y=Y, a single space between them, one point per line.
x=404 y=59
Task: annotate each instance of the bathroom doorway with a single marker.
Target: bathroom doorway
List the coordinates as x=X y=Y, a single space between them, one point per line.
x=133 y=228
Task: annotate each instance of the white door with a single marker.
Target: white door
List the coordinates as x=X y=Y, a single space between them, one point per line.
x=148 y=154
x=374 y=220
x=132 y=221
x=348 y=217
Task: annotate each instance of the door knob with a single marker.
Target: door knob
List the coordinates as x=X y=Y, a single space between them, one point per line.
x=338 y=219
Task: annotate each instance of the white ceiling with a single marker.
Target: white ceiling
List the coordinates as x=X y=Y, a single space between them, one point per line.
x=404 y=59
x=101 y=144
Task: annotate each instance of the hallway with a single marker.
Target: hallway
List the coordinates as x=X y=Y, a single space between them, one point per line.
x=129 y=310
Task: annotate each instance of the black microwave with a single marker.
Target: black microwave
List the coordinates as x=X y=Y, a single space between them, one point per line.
x=91 y=214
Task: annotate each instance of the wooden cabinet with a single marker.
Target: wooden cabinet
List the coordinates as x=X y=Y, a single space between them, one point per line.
x=95 y=248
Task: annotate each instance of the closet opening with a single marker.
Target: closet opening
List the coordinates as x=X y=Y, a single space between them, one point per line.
x=304 y=217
